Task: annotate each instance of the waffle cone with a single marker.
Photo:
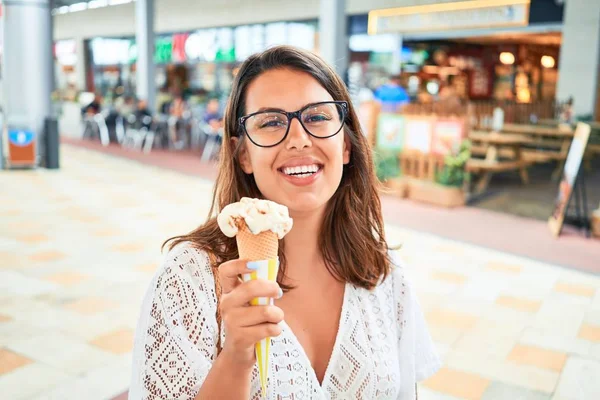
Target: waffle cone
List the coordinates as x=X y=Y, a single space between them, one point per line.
x=251 y=247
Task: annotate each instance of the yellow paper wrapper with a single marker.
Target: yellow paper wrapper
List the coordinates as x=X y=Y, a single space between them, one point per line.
x=267 y=270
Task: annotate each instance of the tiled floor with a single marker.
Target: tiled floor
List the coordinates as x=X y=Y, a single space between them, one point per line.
x=485 y=228
x=78 y=247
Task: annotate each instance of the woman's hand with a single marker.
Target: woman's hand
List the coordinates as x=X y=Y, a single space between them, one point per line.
x=245 y=325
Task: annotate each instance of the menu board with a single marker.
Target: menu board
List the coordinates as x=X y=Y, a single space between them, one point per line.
x=390 y=131
x=569 y=176
x=480 y=83
x=418 y=134
x=447 y=136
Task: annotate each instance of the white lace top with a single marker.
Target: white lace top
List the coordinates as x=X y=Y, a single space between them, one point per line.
x=381 y=350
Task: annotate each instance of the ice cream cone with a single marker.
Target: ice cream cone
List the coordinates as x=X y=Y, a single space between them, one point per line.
x=270 y=222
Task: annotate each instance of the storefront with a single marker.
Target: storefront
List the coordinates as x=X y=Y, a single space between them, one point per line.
x=110 y=66
x=506 y=51
x=194 y=64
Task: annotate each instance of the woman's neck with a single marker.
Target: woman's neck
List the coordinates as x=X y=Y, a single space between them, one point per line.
x=302 y=253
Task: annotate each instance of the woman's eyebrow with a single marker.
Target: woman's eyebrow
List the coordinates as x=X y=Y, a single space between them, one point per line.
x=282 y=110
x=270 y=109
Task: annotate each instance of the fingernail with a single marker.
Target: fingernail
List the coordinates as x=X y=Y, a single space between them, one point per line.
x=280 y=295
x=253 y=265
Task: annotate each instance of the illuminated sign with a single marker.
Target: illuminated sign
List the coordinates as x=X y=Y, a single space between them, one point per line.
x=450 y=16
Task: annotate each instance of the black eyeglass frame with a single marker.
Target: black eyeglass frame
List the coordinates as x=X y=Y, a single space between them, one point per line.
x=296 y=114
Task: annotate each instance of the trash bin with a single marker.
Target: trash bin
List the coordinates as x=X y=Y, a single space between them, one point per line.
x=52 y=142
x=22 y=144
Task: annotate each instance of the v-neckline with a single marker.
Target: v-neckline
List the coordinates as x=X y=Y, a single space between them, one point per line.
x=336 y=343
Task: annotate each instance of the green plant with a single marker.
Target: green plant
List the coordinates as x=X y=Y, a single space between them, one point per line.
x=386 y=164
x=454 y=172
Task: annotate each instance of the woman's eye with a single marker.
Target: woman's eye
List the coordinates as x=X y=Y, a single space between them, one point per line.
x=317 y=118
x=272 y=124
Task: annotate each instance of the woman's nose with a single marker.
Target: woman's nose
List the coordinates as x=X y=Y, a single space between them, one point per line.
x=297 y=137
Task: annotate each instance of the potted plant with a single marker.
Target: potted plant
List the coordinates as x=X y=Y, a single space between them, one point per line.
x=448 y=189
x=454 y=173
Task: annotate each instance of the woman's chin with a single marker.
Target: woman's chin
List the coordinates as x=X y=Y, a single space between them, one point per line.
x=303 y=203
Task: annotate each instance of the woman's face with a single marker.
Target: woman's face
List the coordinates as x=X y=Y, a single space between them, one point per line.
x=274 y=168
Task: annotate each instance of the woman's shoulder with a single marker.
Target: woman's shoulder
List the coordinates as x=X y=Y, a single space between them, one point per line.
x=395 y=283
x=185 y=261
x=397 y=267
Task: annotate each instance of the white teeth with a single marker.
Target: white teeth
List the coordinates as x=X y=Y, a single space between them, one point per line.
x=301 y=171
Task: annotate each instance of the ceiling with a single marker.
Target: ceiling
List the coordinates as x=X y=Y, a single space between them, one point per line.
x=62 y=3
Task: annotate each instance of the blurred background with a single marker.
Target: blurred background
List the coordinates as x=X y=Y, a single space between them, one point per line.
x=484 y=117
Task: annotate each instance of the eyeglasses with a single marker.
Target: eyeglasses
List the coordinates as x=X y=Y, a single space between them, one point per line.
x=320 y=120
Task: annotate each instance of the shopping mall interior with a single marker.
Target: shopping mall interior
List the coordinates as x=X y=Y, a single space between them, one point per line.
x=482 y=121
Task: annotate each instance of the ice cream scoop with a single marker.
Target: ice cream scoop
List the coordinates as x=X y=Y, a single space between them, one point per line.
x=259 y=216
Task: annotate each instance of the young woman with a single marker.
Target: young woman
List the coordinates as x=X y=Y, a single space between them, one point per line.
x=346 y=323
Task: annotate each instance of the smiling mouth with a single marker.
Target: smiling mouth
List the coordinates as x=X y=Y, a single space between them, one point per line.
x=301 y=171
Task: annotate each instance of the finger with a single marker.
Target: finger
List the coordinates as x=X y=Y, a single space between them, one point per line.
x=251 y=316
x=256 y=333
x=229 y=273
x=247 y=291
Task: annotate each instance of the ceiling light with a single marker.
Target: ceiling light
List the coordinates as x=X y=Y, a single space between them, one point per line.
x=548 y=62
x=507 y=58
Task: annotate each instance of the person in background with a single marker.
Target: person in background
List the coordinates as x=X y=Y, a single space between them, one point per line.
x=566 y=113
x=127 y=107
x=141 y=113
x=94 y=107
x=391 y=95
x=178 y=107
x=179 y=127
x=213 y=116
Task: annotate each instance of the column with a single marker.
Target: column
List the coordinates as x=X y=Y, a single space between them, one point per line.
x=145 y=73
x=27 y=64
x=333 y=36
x=580 y=55
x=80 y=70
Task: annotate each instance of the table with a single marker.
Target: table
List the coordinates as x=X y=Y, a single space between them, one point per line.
x=560 y=130
x=564 y=134
x=491 y=164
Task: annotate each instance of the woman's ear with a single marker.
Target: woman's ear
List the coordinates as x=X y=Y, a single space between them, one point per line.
x=347 y=149
x=243 y=155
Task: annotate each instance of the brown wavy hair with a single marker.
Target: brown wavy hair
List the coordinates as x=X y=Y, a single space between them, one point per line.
x=352 y=239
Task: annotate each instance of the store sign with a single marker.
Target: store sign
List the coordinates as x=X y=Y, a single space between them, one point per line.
x=447 y=136
x=390 y=132
x=569 y=177
x=450 y=16
x=378 y=43
x=418 y=134
x=178 y=55
x=111 y=51
x=163 y=50
x=212 y=45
